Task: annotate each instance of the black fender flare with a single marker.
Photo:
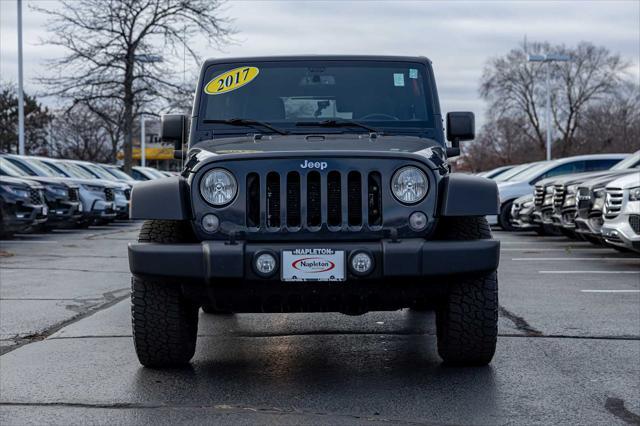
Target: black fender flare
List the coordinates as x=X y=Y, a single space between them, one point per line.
x=164 y=199
x=466 y=195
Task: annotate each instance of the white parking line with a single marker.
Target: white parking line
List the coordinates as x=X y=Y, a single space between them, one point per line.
x=29 y=242
x=590 y=272
x=610 y=291
x=607 y=259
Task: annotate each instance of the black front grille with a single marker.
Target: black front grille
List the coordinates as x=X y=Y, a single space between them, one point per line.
x=634 y=222
x=127 y=194
x=108 y=194
x=74 y=194
x=314 y=200
x=35 y=196
x=539 y=195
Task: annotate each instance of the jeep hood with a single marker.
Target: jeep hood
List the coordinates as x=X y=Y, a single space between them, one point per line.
x=315 y=142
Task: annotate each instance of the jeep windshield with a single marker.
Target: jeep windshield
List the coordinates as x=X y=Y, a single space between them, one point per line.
x=324 y=96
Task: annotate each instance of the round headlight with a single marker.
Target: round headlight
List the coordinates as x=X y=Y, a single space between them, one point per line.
x=218 y=187
x=409 y=185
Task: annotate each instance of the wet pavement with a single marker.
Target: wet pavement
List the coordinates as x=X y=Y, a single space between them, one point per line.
x=568 y=349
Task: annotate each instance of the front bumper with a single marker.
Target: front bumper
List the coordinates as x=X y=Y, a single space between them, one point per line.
x=620 y=233
x=210 y=261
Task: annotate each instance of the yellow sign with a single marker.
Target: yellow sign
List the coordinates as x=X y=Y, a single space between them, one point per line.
x=231 y=80
x=150 y=154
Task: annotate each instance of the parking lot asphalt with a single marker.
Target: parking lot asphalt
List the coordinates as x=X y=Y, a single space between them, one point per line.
x=568 y=349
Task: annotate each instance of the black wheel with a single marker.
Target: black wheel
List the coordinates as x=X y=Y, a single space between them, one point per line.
x=165 y=323
x=504 y=219
x=467 y=318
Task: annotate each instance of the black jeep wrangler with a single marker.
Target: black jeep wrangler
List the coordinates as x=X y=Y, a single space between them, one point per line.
x=315 y=184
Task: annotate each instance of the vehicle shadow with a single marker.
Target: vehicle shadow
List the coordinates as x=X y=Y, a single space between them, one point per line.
x=398 y=376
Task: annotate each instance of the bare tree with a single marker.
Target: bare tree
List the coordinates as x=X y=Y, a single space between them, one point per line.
x=515 y=87
x=120 y=50
x=80 y=134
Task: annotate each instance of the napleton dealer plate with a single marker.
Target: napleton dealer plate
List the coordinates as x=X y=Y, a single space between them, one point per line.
x=317 y=264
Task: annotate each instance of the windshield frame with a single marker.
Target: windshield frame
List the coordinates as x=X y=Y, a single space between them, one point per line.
x=201 y=131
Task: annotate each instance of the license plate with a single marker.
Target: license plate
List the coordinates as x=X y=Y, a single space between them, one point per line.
x=313 y=265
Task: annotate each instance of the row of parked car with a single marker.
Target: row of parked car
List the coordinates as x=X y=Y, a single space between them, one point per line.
x=591 y=197
x=39 y=193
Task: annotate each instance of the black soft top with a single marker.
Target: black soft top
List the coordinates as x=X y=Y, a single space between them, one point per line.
x=214 y=61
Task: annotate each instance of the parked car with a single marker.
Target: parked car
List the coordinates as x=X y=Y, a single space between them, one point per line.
x=122 y=195
x=327 y=214
x=522 y=183
x=591 y=197
x=522 y=213
x=61 y=195
x=621 y=212
x=22 y=205
x=560 y=211
x=96 y=195
x=146 y=173
x=493 y=173
x=118 y=174
x=515 y=171
x=114 y=191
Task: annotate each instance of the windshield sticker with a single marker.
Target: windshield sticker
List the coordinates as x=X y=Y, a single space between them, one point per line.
x=398 y=79
x=231 y=80
x=413 y=73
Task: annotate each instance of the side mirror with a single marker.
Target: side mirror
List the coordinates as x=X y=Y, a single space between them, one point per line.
x=174 y=129
x=461 y=126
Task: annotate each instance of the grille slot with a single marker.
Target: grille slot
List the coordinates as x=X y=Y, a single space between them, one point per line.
x=273 y=200
x=314 y=199
x=334 y=199
x=127 y=194
x=253 y=200
x=108 y=194
x=558 y=196
x=613 y=202
x=354 y=198
x=293 y=199
x=374 y=199
x=539 y=195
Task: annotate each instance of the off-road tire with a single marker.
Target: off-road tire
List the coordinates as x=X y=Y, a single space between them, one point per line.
x=165 y=323
x=467 y=322
x=467 y=318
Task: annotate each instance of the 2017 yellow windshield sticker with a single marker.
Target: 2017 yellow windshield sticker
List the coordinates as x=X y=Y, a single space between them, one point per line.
x=231 y=80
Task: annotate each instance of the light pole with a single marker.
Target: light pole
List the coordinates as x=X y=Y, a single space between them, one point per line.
x=548 y=58
x=145 y=58
x=143 y=143
x=20 y=85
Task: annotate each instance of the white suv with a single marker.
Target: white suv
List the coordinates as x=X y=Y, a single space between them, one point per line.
x=622 y=212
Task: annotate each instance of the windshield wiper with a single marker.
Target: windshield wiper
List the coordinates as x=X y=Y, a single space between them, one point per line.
x=246 y=122
x=337 y=123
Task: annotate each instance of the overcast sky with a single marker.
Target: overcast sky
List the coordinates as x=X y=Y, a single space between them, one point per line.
x=459 y=37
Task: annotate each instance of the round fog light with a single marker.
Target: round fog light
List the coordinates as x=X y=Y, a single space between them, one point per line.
x=361 y=263
x=210 y=222
x=418 y=221
x=266 y=264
